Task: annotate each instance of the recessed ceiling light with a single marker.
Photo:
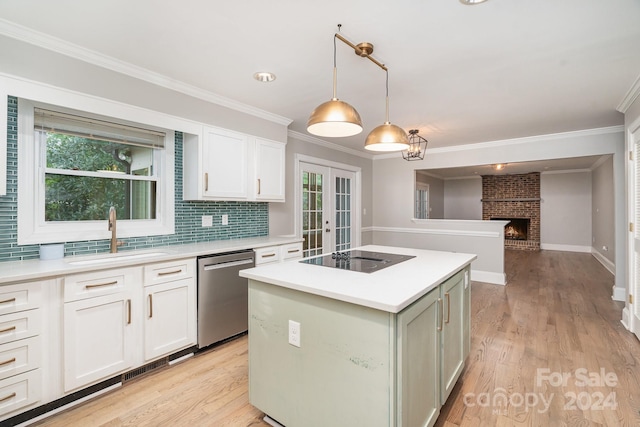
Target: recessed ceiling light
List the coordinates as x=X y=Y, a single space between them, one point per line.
x=264 y=76
x=471 y=2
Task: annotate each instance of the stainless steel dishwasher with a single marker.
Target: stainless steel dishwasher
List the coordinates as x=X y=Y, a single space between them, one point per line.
x=222 y=296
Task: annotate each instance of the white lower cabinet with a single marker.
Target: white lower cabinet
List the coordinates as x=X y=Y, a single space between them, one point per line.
x=117 y=320
x=170 y=321
x=19 y=391
x=98 y=338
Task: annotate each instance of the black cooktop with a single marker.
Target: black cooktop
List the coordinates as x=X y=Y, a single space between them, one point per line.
x=356 y=260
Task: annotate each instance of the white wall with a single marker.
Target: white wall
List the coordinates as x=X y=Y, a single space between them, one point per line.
x=462 y=198
x=565 y=211
x=603 y=214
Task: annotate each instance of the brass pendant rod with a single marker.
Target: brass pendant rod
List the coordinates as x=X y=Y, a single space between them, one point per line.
x=355 y=48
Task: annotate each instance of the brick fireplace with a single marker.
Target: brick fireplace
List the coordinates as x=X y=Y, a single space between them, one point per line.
x=515 y=198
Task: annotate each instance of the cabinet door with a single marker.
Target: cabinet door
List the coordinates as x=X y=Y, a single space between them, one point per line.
x=224 y=164
x=170 y=317
x=419 y=361
x=270 y=170
x=98 y=334
x=453 y=294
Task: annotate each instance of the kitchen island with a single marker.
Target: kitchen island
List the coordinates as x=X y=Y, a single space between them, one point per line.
x=329 y=346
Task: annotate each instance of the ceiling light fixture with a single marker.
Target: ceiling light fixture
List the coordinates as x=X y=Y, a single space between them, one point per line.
x=264 y=76
x=472 y=2
x=337 y=118
x=417 y=147
x=387 y=137
x=334 y=118
x=499 y=166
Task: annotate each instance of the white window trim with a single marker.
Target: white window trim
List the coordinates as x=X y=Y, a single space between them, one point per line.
x=32 y=229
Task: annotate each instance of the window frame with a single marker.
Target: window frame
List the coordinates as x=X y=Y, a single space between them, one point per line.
x=32 y=227
x=424 y=188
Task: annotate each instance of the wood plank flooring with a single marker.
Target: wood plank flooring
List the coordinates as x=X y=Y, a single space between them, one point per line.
x=555 y=316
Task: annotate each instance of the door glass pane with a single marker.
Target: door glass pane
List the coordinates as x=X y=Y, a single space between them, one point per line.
x=343 y=209
x=312 y=213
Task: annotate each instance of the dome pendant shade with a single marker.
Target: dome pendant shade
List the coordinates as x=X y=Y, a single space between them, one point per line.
x=387 y=137
x=334 y=118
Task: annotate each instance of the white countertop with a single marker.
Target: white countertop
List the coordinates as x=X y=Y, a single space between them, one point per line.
x=391 y=289
x=15 y=271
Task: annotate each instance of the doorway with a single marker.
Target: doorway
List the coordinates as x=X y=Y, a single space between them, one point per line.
x=327 y=206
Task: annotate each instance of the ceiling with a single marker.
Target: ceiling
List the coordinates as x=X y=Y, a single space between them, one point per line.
x=460 y=74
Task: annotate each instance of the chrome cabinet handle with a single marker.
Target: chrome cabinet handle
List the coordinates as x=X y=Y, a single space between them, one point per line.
x=448 y=297
x=258 y=185
x=206 y=181
x=441 y=304
x=99 y=285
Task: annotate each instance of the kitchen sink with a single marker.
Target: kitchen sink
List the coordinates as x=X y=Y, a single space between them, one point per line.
x=106 y=259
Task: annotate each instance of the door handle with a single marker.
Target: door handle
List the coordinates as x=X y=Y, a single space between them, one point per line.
x=448 y=297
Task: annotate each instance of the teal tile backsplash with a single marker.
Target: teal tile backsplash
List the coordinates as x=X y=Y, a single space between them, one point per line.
x=246 y=219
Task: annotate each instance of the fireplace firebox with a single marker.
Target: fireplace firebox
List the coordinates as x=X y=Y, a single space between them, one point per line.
x=516 y=229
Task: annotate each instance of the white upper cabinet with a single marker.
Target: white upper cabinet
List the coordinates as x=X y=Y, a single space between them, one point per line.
x=269 y=161
x=224 y=164
x=228 y=165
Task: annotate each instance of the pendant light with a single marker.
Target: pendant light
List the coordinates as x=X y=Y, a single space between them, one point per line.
x=387 y=137
x=417 y=147
x=334 y=118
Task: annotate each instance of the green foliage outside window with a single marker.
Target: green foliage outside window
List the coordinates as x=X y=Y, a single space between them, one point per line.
x=83 y=198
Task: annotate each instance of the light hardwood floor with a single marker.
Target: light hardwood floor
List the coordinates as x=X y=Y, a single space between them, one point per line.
x=555 y=316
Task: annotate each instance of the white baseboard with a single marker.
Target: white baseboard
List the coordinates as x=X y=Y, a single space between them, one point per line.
x=626 y=319
x=619 y=294
x=604 y=261
x=489 y=277
x=565 y=248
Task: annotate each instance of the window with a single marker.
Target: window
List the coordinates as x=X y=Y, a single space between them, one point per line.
x=422 y=201
x=81 y=165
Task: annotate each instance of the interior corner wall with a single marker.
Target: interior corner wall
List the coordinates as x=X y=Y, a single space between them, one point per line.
x=602 y=211
x=462 y=198
x=565 y=211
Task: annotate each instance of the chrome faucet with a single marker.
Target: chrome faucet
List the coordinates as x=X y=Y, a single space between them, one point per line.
x=112 y=227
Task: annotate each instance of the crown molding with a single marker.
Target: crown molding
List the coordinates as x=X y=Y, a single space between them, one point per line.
x=71 y=50
x=516 y=141
x=330 y=145
x=630 y=96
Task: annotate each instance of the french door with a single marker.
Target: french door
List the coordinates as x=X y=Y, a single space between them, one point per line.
x=327 y=208
x=634 y=288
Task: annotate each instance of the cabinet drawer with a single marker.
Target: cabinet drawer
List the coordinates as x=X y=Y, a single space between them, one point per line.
x=267 y=255
x=163 y=272
x=19 y=356
x=20 y=391
x=89 y=285
x=290 y=251
x=23 y=296
x=17 y=326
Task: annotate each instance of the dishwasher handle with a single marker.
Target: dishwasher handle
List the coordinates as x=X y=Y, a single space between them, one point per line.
x=228 y=264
